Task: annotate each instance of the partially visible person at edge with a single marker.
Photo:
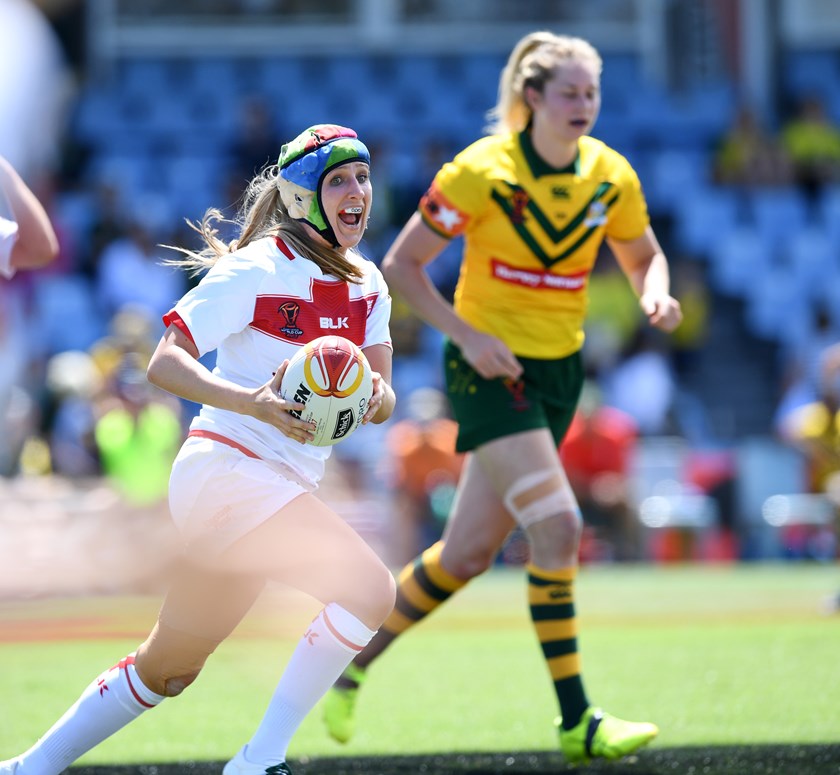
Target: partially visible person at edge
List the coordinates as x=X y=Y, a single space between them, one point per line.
x=242 y=487
x=27 y=238
x=534 y=201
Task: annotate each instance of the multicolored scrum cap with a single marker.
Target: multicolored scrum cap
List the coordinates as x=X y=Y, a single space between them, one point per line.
x=305 y=161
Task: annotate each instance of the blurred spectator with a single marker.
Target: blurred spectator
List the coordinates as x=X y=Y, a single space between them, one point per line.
x=596 y=455
x=107 y=225
x=130 y=272
x=749 y=155
x=73 y=383
x=802 y=366
x=138 y=434
x=414 y=175
x=132 y=332
x=642 y=384
x=693 y=292
x=812 y=141
x=814 y=428
x=613 y=316
x=425 y=472
x=256 y=141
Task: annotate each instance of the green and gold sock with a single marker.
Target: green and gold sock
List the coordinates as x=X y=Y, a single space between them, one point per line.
x=551 y=598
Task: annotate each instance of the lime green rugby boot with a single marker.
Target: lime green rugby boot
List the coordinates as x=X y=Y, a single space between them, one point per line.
x=600 y=735
x=340 y=707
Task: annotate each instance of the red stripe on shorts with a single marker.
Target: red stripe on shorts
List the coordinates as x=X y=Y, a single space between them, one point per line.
x=198 y=433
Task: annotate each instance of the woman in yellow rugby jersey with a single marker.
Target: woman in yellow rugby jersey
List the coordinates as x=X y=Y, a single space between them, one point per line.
x=534 y=200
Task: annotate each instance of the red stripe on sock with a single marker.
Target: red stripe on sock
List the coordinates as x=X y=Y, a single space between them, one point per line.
x=337 y=635
x=123 y=665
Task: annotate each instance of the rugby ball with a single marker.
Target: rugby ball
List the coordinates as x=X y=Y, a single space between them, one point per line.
x=332 y=377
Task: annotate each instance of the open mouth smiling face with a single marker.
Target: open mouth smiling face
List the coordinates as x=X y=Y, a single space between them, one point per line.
x=347 y=193
x=351 y=216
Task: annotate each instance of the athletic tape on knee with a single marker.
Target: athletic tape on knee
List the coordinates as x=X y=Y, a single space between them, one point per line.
x=540 y=495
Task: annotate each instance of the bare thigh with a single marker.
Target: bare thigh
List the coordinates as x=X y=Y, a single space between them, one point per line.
x=478 y=524
x=311 y=548
x=509 y=462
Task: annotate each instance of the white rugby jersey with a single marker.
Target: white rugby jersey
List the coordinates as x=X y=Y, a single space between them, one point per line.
x=8 y=237
x=256 y=307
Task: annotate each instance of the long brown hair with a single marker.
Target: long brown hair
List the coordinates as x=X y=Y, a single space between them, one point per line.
x=261 y=214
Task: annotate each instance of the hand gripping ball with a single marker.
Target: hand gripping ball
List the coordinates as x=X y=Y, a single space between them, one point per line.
x=332 y=377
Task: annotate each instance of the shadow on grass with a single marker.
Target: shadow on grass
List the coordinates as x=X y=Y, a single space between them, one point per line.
x=721 y=760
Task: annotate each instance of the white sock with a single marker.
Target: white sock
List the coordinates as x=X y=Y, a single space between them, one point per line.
x=115 y=698
x=327 y=647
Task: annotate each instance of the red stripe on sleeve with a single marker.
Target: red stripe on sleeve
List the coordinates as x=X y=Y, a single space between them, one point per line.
x=172 y=318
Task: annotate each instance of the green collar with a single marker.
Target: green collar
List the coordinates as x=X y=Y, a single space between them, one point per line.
x=540 y=166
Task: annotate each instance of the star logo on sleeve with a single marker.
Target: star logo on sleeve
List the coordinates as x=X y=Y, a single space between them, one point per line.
x=448 y=218
x=441 y=215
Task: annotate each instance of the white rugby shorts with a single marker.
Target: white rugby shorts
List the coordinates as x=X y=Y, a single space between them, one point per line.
x=217 y=494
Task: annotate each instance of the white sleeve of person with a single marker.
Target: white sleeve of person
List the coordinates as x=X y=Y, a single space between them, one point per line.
x=223 y=302
x=8 y=237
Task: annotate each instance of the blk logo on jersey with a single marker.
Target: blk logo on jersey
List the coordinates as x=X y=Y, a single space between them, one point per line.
x=334 y=324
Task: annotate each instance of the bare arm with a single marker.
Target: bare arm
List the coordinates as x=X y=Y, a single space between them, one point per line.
x=404 y=269
x=646 y=267
x=36 y=244
x=383 y=401
x=174 y=367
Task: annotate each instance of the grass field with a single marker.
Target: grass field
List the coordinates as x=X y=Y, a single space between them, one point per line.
x=734 y=661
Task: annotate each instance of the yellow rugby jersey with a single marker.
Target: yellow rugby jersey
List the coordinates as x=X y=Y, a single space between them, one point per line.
x=531 y=235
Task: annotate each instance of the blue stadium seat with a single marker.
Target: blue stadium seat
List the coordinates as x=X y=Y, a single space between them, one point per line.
x=814 y=258
x=774 y=297
x=738 y=258
x=703 y=217
x=151 y=75
x=828 y=212
x=96 y=115
x=674 y=175
x=777 y=212
x=194 y=183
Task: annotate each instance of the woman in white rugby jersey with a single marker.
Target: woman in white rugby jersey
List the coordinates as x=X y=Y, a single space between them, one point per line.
x=241 y=490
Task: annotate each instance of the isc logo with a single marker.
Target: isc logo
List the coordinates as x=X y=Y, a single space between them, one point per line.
x=334 y=323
